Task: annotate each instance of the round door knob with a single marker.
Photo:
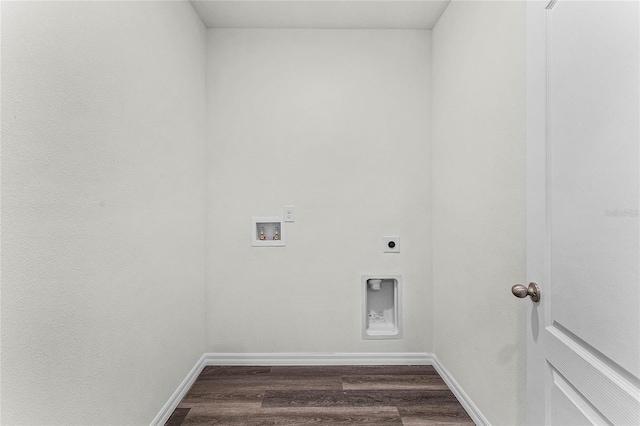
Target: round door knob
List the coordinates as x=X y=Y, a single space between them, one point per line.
x=533 y=291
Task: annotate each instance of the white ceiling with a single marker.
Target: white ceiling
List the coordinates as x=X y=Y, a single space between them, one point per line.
x=321 y=14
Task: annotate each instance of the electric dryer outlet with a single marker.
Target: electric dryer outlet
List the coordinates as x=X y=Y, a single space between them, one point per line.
x=391 y=244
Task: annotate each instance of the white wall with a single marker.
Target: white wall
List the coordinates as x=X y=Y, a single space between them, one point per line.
x=106 y=173
x=479 y=202
x=335 y=122
x=103 y=208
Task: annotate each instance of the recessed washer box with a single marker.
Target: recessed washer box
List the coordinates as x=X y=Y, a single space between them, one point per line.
x=271 y=228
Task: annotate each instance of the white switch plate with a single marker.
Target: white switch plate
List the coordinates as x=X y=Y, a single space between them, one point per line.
x=391 y=244
x=289 y=213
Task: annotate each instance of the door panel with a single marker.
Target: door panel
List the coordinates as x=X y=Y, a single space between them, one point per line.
x=584 y=167
x=569 y=407
x=591 y=378
x=594 y=157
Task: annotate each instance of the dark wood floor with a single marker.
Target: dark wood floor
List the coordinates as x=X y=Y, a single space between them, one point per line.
x=345 y=395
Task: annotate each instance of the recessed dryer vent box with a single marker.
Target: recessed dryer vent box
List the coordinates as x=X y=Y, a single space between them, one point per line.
x=381 y=306
x=270 y=228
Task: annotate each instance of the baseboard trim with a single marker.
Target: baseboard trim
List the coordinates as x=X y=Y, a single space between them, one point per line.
x=267 y=359
x=177 y=396
x=274 y=359
x=478 y=418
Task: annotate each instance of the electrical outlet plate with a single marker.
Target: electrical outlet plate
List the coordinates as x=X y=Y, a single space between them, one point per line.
x=391 y=244
x=289 y=213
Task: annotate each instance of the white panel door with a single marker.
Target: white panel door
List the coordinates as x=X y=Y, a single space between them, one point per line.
x=584 y=143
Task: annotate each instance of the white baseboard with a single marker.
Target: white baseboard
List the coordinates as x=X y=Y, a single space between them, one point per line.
x=177 y=396
x=478 y=418
x=274 y=359
x=369 y=358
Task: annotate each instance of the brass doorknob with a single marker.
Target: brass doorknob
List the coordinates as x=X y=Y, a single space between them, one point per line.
x=533 y=291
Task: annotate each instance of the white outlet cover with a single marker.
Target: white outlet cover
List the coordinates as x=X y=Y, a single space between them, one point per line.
x=395 y=243
x=289 y=213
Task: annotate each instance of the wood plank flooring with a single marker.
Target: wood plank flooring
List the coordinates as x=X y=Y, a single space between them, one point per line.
x=328 y=395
